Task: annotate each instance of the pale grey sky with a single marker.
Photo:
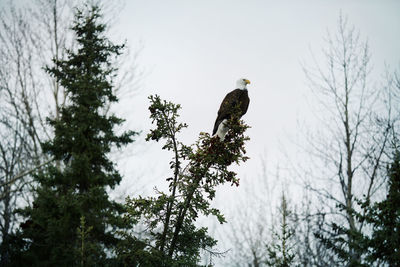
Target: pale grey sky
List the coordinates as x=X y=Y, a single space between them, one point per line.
x=194 y=51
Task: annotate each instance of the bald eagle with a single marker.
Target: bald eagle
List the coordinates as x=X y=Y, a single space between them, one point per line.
x=237 y=96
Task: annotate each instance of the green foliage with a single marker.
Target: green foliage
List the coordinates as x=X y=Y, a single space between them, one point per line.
x=345 y=243
x=280 y=252
x=382 y=244
x=83 y=234
x=83 y=137
x=171 y=238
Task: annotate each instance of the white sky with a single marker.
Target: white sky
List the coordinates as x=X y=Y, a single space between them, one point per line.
x=194 y=51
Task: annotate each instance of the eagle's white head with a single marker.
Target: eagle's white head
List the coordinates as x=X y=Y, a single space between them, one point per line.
x=242 y=83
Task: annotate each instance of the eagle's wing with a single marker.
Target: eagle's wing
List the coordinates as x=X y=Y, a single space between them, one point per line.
x=245 y=104
x=225 y=109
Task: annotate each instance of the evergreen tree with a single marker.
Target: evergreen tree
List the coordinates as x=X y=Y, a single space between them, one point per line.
x=280 y=252
x=72 y=220
x=383 y=245
x=171 y=237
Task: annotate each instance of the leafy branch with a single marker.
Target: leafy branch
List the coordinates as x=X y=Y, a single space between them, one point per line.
x=169 y=217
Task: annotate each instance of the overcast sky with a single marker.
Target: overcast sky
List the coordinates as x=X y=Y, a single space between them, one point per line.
x=194 y=51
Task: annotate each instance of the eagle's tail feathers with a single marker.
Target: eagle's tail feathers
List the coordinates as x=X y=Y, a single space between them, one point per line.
x=221 y=130
x=216 y=124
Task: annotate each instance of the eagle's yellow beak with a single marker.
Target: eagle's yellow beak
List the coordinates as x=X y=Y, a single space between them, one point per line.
x=247 y=81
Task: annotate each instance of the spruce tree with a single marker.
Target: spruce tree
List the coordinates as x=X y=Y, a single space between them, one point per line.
x=383 y=245
x=72 y=221
x=281 y=249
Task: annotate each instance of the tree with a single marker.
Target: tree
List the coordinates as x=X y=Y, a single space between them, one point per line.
x=22 y=124
x=30 y=37
x=83 y=137
x=281 y=251
x=172 y=238
x=382 y=245
x=309 y=250
x=350 y=146
x=250 y=229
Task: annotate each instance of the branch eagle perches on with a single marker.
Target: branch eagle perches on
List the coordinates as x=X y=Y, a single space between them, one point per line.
x=170 y=217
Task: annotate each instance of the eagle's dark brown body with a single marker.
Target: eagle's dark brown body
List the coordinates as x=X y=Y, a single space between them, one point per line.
x=237 y=96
